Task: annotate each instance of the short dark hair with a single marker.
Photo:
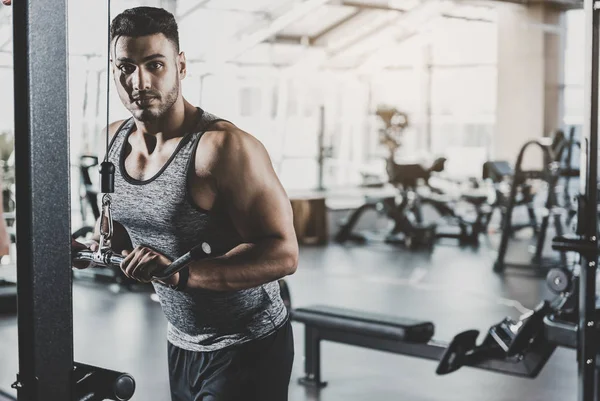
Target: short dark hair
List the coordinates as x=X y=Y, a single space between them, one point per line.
x=142 y=21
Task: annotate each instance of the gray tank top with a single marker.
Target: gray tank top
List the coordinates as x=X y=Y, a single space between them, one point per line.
x=160 y=213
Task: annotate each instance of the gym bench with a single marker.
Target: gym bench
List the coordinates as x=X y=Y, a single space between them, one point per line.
x=403 y=336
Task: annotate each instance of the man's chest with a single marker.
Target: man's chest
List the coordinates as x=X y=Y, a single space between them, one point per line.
x=142 y=168
x=200 y=189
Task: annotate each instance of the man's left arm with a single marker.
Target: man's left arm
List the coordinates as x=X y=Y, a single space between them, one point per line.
x=260 y=211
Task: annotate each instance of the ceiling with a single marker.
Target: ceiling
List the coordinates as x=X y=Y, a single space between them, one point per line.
x=301 y=33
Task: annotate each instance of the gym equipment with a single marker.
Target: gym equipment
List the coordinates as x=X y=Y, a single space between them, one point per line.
x=112 y=274
x=45 y=303
x=386 y=333
x=404 y=210
x=468 y=230
x=105 y=257
x=463 y=226
x=96 y=384
x=407 y=215
x=88 y=200
x=406 y=230
x=567 y=172
x=510 y=347
x=501 y=174
x=410 y=233
x=550 y=175
x=404 y=213
x=505 y=340
x=559 y=279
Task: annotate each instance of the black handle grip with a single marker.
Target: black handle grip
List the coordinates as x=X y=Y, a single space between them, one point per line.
x=201 y=251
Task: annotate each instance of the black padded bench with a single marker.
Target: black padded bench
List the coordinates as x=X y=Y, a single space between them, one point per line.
x=363 y=329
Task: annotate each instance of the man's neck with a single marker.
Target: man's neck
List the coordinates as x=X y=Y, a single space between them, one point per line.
x=175 y=123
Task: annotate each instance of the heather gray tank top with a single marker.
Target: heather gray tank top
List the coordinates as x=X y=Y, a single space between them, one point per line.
x=160 y=213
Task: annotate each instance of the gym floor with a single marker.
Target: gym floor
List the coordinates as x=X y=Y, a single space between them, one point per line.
x=451 y=286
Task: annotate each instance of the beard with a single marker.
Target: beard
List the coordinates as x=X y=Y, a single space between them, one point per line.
x=158 y=108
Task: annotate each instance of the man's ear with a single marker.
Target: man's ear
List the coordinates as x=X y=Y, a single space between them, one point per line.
x=182 y=64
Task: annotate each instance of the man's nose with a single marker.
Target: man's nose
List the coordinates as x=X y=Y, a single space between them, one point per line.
x=141 y=80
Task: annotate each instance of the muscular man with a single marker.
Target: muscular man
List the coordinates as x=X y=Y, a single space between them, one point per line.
x=184 y=176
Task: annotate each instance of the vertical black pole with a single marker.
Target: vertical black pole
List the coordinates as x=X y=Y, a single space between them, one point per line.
x=42 y=192
x=587 y=285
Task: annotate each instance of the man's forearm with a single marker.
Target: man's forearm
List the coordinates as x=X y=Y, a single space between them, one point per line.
x=245 y=266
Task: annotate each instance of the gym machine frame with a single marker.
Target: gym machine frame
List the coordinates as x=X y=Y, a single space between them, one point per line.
x=550 y=174
x=44 y=284
x=587 y=230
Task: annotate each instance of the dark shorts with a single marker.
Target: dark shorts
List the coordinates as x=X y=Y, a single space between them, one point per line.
x=258 y=370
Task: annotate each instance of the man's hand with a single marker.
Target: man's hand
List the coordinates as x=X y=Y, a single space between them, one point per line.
x=78 y=246
x=141 y=264
x=6 y=2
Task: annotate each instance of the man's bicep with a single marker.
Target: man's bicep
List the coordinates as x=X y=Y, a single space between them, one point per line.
x=258 y=204
x=268 y=214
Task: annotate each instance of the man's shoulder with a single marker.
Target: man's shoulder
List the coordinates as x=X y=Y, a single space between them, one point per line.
x=225 y=148
x=225 y=137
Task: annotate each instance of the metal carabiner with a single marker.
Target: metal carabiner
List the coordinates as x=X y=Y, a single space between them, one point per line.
x=106 y=223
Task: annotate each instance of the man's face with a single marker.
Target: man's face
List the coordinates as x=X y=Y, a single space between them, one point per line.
x=147 y=72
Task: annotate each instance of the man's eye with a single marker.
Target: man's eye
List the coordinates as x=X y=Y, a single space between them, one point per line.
x=127 y=69
x=155 y=66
